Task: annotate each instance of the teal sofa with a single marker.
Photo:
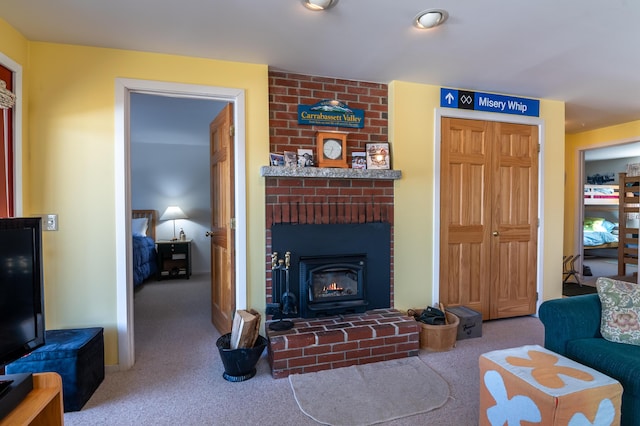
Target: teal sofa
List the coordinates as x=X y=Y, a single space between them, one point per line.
x=572 y=329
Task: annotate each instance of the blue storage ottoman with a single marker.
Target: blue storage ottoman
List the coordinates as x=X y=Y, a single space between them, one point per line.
x=77 y=355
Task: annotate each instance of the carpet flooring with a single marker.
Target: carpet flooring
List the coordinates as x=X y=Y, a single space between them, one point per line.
x=177 y=378
x=371 y=393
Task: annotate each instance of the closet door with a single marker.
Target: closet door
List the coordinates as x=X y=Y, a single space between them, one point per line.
x=488 y=216
x=515 y=220
x=465 y=213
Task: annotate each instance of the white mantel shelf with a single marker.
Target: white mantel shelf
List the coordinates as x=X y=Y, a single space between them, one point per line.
x=330 y=173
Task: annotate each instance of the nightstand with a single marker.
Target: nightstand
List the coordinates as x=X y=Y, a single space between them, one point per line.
x=174 y=259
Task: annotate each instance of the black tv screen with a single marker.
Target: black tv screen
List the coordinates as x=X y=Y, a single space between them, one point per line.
x=21 y=288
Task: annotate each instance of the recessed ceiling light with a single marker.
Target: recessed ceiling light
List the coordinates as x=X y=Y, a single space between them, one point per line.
x=319 y=4
x=430 y=18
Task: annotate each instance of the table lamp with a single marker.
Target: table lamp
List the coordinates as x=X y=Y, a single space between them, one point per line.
x=173 y=213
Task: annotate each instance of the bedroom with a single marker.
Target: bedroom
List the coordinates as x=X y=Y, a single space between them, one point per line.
x=601 y=209
x=169 y=166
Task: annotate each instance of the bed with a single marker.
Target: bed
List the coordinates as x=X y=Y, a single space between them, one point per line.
x=600 y=237
x=600 y=233
x=601 y=195
x=143 y=232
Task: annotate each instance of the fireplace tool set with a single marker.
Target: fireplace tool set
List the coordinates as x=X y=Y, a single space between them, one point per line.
x=288 y=304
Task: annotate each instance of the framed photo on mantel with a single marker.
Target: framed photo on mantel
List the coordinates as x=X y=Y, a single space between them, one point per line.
x=378 y=156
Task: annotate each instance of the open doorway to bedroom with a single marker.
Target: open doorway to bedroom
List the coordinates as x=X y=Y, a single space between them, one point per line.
x=170 y=167
x=124 y=89
x=601 y=214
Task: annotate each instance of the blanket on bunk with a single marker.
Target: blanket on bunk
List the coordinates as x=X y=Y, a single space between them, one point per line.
x=596 y=238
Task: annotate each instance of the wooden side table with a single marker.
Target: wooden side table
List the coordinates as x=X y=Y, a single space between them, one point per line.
x=42 y=406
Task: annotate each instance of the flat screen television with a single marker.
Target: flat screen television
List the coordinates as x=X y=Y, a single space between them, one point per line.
x=21 y=288
x=21 y=304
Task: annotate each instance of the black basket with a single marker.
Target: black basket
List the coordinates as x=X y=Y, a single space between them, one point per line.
x=239 y=364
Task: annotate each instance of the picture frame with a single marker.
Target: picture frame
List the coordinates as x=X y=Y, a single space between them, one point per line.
x=331 y=149
x=305 y=157
x=276 y=160
x=359 y=160
x=290 y=159
x=378 y=156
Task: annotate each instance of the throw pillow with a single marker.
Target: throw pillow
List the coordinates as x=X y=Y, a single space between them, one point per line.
x=594 y=224
x=620 y=320
x=139 y=226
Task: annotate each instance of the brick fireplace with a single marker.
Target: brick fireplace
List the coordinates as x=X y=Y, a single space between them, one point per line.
x=331 y=199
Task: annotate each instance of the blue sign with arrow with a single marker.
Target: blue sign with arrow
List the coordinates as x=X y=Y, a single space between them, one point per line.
x=478 y=101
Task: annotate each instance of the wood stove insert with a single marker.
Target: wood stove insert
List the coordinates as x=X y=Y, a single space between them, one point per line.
x=351 y=252
x=334 y=285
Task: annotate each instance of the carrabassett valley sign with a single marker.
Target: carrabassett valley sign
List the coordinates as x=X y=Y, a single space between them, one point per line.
x=330 y=113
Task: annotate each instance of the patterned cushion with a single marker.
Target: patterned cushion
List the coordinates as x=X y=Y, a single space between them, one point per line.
x=620 y=310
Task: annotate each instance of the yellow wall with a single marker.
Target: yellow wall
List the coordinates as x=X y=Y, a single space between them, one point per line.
x=575 y=143
x=12 y=43
x=412 y=119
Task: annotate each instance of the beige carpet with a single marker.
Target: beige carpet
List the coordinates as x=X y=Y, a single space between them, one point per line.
x=370 y=393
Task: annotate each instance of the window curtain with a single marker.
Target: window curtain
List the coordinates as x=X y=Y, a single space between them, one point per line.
x=7 y=101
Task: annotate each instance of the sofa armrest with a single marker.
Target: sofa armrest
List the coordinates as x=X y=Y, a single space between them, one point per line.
x=568 y=319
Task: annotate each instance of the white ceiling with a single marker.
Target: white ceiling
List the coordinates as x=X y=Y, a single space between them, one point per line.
x=582 y=52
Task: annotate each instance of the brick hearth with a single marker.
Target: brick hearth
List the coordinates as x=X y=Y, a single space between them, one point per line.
x=322 y=344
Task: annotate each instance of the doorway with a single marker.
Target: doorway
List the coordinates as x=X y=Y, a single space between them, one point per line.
x=124 y=88
x=15 y=74
x=599 y=172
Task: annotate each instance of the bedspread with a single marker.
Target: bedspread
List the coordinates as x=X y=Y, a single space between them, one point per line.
x=596 y=238
x=144 y=259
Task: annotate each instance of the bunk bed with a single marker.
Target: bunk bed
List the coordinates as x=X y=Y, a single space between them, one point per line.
x=601 y=195
x=629 y=214
x=600 y=227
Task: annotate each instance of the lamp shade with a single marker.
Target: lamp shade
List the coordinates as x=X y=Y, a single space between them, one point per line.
x=172 y=213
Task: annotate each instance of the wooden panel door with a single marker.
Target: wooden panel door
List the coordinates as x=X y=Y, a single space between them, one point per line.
x=465 y=213
x=515 y=220
x=223 y=286
x=488 y=217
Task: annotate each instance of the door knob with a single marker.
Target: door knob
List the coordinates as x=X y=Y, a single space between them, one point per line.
x=208 y=234
x=495 y=233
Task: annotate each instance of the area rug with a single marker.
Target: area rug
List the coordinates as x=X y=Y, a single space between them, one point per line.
x=370 y=393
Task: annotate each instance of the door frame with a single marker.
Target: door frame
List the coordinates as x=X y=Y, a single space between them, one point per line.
x=484 y=116
x=124 y=274
x=16 y=70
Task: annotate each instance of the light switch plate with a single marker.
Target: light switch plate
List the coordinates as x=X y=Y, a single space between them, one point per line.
x=50 y=222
